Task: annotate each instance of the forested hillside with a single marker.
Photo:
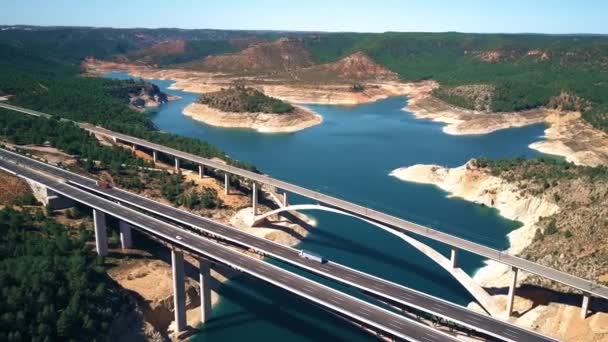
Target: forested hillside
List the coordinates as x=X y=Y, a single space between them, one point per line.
x=493 y=72
x=53 y=288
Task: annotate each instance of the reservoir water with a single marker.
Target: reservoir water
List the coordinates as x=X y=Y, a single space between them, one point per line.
x=350 y=156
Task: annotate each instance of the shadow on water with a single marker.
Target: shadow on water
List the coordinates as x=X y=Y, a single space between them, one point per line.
x=255 y=302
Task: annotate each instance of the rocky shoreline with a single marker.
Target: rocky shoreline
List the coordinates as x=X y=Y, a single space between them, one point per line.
x=478 y=186
x=537 y=308
x=567 y=135
x=300 y=119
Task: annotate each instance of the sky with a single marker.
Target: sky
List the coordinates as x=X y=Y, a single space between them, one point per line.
x=507 y=16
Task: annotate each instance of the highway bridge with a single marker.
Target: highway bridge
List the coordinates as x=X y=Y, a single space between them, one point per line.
x=588 y=287
x=385 y=290
x=372 y=317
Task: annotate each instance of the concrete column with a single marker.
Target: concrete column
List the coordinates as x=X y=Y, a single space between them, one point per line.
x=454 y=257
x=126 y=241
x=226 y=184
x=155 y=156
x=511 y=295
x=284 y=198
x=179 y=290
x=134 y=147
x=176 y=164
x=585 y=306
x=115 y=140
x=101 y=232
x=205 y=289
x=201 y=171
x=254 y=199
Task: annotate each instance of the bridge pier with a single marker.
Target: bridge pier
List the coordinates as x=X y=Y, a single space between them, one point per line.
x=226 y=184
x=585 y=305
x=101 y=232
x=155 y=156
x=133 y=148
x=511 y=295
x=201 y=171
x=126 y=240
x=454 y=257
x=179 y=290
x=284 y=198
x=176 y=164
x=254 y=199
x=205 y=288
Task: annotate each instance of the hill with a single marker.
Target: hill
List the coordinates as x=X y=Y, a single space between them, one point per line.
x=489 y=72
x=281 y=56
x=244 y=100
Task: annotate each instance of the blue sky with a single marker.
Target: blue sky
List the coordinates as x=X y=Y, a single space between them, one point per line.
x=541 y=16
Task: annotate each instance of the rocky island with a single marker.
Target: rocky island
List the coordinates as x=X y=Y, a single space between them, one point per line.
x=244 y=107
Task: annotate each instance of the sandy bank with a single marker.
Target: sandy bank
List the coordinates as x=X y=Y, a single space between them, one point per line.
x=300 y=119
x=568 y=135
x=478 y=186
x=469 y=122
x=202 y=82
x=573 y=138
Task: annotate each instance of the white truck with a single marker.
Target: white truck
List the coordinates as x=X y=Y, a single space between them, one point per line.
x=312 y=256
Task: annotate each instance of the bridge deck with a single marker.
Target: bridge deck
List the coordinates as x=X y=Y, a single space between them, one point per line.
x=377 y=286
x=327 y=297
x=392 y=221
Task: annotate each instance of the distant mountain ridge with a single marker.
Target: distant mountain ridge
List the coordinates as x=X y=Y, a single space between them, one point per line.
x=489 y=72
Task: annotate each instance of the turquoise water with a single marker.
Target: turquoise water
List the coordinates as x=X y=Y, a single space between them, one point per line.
x=350 y=156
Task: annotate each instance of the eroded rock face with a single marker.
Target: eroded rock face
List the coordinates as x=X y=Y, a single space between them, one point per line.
x=357 y=66
x=282 y=55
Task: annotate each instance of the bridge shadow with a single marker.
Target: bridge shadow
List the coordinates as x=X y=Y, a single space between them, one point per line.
x=257 y=300
x=538 y=296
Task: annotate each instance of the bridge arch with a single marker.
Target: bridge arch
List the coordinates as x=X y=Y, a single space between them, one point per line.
x=479 y=293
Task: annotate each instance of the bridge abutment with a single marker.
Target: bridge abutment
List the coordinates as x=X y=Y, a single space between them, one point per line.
x=205 y=288
x=101 y=232
x=126 y=240
x=179 y=290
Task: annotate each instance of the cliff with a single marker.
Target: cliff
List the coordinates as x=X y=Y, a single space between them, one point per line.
x=560 y=206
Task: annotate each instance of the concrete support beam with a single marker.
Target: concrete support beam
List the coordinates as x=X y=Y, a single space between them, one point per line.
x=205 y=288
x=101 y=232
x=126 y=241
x=284 y=198
x=511 y=295
x=585 y=306
x=201 y=171
x=134 y=147
x=115 y=140
x=179 y=290
x=226 y=184
x=176 y=164
x=155 y=156
x=254 y=199
x=454 y=257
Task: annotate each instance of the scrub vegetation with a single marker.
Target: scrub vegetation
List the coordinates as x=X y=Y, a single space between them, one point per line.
x=573 y=239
